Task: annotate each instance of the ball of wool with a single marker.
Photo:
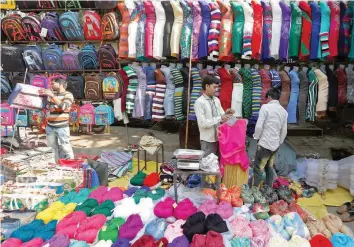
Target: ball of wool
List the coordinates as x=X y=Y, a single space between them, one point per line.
x=125 y=208
x=12 y=242
x=320 y=241
x=88 y=229
x=240 y=227
x=138 y=179
x=131 y=227
x=130 y=192
x=111 y=230
x=277 y=242
x=298 y=241
x=225 y=210
x=194 y=225
x=174 y=230
x=87 y=206
x=68 y=225
x=78 y=244
x=105 y=208
x=180 y=241
x=59 y=240
x=208 y=207
x=122 y=242
x=214 y=222
x=240 y=242
x=139 y=194
x=164 y=209
x=342 y=240
x=114 y=194
x=36 y=242
x=99 y=193
x=151 y=179
x=104 y=243
x=60 y=214
x=156 y=228
x=26 y=232
x=156 y=194
x=82 y=195
x=184 y=209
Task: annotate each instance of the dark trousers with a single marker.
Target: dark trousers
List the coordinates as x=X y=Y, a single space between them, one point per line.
x=263 y=169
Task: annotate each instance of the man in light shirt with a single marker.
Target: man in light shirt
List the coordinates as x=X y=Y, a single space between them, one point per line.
x=270 y=131
x=209 y=115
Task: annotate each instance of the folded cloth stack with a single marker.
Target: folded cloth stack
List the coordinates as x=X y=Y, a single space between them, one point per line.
x=56 y=211
x=277 y=224
x=212 y=239
x=224 y=209
x=110 y=231
x=74 y=197
x=88 y=228
x=184 y=209
x=156 y=228
x=69 y=224
x=180 y=241
x=116 y=158
x=149 y=241
x=127 y=207
x=104 y=193
x=231 y=195
x=35 y=229
x=131 y=227
x=334 y=224
x=295 y=226
x=320 y=241
x=342 y=240
x=174 y=230
x=210 y=163
x=322 y=174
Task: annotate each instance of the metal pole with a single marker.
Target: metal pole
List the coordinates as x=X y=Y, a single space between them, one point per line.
x=14 y=129
x=189 y=92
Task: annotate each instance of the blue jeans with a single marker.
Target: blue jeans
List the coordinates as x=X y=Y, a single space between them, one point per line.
x=59 y=140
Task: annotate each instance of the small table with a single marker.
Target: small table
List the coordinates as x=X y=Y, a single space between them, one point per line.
x=178 y=172
x=140 y=149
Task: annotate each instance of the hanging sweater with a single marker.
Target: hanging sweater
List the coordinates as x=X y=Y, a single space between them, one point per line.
x=267 y=30
x=321 y=106
x=225 y=44
x=332 y=90
x=325 y=24
x=351 y=51
x=345 y=86
x=349 y=75
x=256 y=93
x=285 y=31
x=316 y=27
x=334 y=28
x=139 y=104
x=294 y=95
x=346 y=24
x=178 y=82
x=170 y=91
x=123 y=49
x=257 y=32
x=295 y=31
x=214 y=32
x=150 y=27
x=304 y=91
x=226 y=88
x=285 y=89
x=343 y=40
x=237 y=29
x=306 y=31
x=247 y=92
x=266 y=84
x=131 y=92
x=204 y=30
x=313 y=91
x=196 y=92
x=140 y=42
x=276 y=29
x=150 y=90
x=276 y=82
x=197 y=22
x=158 y=112
x=247 y=31
x=186 y=36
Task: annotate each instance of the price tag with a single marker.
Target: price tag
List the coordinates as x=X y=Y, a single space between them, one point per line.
x=29 y=60
x=174 y=205
x=153 y=192
x=104 y=228
x=44 y=32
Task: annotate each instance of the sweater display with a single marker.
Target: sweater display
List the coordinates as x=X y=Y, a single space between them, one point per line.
x=237 y=28
x=225 y=43
x=197 y=22
x=187 y=27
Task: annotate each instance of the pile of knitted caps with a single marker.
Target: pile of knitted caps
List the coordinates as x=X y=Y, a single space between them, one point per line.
x=148 y=216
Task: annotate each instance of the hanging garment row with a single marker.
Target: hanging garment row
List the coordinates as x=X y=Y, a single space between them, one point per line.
x=216 y=30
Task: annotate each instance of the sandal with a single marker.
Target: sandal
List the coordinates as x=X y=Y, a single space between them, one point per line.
x=345 y=207
x=347 y=216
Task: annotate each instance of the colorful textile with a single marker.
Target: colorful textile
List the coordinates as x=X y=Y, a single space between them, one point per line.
x=196 y=92
x=158 y=112
x=316 y=28
x=132 y=87
x=178 y=94
x=225 y=44
x=306 y=31
x=285 y=31
x=256 y=93
x=247 y=92
x=197 y=22
x=150 y=26
x=187 y=31
x=140 y=42
x=325 y=25
x=257 y=32
x=214 y=32
x=267 y=30
x=295 y=31
x=247 y=31
x=334 y=28
x=237 y=29
x=311 y=104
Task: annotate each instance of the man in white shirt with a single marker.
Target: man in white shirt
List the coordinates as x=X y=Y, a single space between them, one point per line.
x=270 y=131
x=209 y=115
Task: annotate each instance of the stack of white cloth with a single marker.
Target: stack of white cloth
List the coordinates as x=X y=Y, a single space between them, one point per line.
x=322 y=174
x=346 y=173
x=210 y=163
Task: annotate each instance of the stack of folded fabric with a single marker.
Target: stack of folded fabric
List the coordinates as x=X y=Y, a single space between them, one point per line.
x=322 y=174
x=110 y=231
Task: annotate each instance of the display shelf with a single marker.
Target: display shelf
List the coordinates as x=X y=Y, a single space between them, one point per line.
x=51 y=10
x=57 y=42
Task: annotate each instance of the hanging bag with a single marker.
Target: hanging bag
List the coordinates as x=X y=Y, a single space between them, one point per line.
x=91 y=22
x=87 y=116
x=111 y=87
x=74 y=116
x=109 y=26
x=11 y=58
x=22 y=118
x=107 y=57
x=12 y=27
x=93 y=87
x=8 y=4
x=76 y=86
x=70 y=58
x=39 y=81
x=32 y=26
x=32 y=56
x=7 y=115
x=6 y=88
x=52 y=58
x=104 y=116
x=71 y=27
x=51 y=27
x=88 y=57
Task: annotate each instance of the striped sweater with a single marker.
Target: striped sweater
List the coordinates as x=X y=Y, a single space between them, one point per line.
x=196 y=92
x=214 y=32
x=178 y=81
x=256 y=93
x=58 y=116
x=132 y=87
x=158 y=111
